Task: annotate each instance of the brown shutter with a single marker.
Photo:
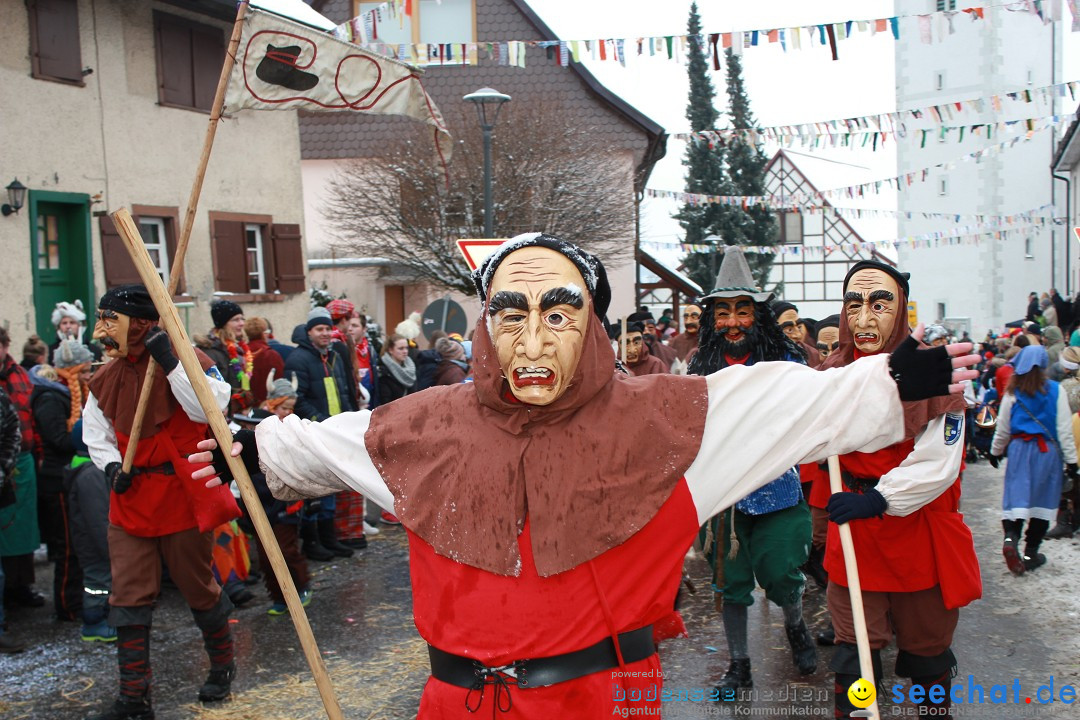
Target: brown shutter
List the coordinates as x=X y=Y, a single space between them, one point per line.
x=54 y=39
x=288 y=258
x=208 y=55
x=230 y=257
x=172 y=233
x=173 y=61
x=119 y=270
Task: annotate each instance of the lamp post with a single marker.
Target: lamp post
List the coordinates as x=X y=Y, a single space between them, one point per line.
x=488 y=103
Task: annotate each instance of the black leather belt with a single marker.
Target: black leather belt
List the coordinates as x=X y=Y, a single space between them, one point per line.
x=465 y=672
x=858 y=484
x=162 y=469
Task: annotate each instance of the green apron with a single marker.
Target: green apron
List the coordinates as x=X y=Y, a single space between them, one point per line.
x=19 y=522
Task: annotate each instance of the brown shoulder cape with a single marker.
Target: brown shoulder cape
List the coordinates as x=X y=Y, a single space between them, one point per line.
x=116 y=387
x=467 y=462
x=916 y=414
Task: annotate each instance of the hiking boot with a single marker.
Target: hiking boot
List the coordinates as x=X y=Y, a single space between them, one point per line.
x=11 y=644
x=737 y=676
x=1031 y=562
x=218 y=685
x=1013 y=558
x=128 y=709
x=1063 y=527
x=98 y=632
x=280 y=608
x=803 y=652
x=328 y=539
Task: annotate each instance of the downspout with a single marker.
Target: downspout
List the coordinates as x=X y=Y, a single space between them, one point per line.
x=1068 y=224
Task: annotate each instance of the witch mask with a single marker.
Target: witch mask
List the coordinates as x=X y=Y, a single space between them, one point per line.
x=871 y=303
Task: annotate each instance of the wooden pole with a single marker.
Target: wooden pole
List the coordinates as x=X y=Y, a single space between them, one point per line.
x=170 y=320
x=858 y=615
x=189 y=220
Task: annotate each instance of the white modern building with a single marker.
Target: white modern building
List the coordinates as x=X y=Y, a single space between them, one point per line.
x=967 y=285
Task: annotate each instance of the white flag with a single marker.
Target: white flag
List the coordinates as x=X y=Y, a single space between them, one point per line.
x=282 y=65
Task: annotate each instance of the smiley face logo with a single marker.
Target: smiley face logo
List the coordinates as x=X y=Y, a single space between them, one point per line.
x=862 y=693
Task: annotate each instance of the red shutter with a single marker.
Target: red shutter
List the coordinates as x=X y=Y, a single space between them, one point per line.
x=54 y=39
x=208 y=55
x=174 y=61
x=288 y=258
x=119 y=270
x=230 y=257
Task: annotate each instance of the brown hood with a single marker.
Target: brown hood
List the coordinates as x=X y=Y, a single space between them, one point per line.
x=468 y=462
x=916 y=414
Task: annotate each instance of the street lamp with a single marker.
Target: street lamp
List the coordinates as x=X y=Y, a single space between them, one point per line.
x=488 y=103
x=16 y=193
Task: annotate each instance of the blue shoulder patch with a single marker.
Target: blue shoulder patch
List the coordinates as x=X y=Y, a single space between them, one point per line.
x=213 y=372
x=954 y=427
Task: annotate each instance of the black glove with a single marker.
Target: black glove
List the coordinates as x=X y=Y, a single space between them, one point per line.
x=845 y=506
x=119 y=481
x=1072 y=471
x=995 y=461
x=157 y=342
x=920 y=374
x=249 y=455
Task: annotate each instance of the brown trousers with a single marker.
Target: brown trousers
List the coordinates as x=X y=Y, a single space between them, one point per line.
x=136 y=568
x=288 y=539
x=819 y=523
x=919 y=619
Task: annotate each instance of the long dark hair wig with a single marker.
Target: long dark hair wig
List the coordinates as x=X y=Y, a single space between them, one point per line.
x=769 y=341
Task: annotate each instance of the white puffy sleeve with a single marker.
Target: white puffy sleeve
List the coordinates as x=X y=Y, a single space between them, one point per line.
x=1064 y=427
x=302 y=458
x=929 y=470
x=764 y=419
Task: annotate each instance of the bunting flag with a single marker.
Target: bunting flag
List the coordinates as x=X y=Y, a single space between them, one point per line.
x=873 y=187
x=1035 y=216
x=282 y=65
x=929 y=28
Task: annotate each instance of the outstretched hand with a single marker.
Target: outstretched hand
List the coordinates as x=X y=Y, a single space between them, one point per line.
x=218 y=472
x=925 y=373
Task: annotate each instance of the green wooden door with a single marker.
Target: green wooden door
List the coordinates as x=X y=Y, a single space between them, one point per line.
x=61 y=257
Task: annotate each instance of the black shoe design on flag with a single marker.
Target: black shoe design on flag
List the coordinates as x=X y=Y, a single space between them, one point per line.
x=278 y=67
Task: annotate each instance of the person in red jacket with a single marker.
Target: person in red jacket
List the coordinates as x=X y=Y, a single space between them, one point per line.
x=916 y=558
x=157 y=511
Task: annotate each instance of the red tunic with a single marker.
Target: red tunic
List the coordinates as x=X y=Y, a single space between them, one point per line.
x=819 y=484
x=158 y=504
x=904 y=554
x=497 y=619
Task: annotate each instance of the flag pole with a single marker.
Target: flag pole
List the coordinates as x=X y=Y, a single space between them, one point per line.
x=189 y=220
x=170 y=320
x=858 y=615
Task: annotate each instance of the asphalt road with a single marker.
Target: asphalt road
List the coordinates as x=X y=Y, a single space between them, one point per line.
x=361 y=616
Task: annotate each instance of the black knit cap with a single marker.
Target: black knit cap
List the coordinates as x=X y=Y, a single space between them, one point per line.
x=641 y=317
x=131 y=300
x=900 y=277
x=222 y=311
x=590 y=267
x=779 y=307
x=830 y=321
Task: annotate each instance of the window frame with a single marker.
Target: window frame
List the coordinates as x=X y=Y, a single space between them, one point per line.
x=162 y=245
x=35 y=47
x=260 y=266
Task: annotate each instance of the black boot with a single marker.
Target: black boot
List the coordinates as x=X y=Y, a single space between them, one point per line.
x=845 y=663
x=803 y=652
x=278 y=67
x=1010 y=549
x=328 y=539
x=815 y=567
x=827 y=637
x=926 y=671
x=737 y=676
x=217 y=639
x=1064 y=527
x=929 y=708
x=133 y=656
x=1033 y=539
x=310 y=546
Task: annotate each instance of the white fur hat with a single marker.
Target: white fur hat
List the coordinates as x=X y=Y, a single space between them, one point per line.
x=70 y=310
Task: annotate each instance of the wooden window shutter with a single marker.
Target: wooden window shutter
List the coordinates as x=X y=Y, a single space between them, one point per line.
x=207 y=56
x=288 y=258
x=54 y=39
x=173 y=37
x=119 y=270
x=172 y=234
x=230 y=257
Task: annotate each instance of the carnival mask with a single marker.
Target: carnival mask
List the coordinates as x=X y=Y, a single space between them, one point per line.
x=538 y=314
x=791 y=325
x=733 y=320
x=691 y=319
x=870 y=307
x=121 y=335
x=633 y=342
x=828 y=339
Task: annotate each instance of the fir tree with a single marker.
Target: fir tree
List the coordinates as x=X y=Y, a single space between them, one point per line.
x=705 y=165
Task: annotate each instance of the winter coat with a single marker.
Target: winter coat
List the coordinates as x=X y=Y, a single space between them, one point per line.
x=10 y=438
x=50 y=404
x=265 y=360
x=449 y=372
x=427 y=363
x=389 y=388
x=216 y=350
x=311 y=368
x=88 y=504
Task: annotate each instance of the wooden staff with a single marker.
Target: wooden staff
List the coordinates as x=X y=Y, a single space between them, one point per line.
x=170 y=320
x=858 y=616
x=189 y=220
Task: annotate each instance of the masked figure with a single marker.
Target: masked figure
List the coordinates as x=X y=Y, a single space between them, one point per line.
x=793 y=326
x=652 y=340
x=639 y=361
x=157 y=511
x=828 y=335
x=685 y=342
x=546 y=533
x=916 y=559
x=764 y=538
